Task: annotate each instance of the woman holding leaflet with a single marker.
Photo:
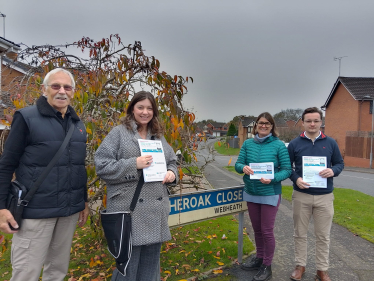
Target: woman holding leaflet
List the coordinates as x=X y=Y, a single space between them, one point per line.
x=119 y=162
x=263 y=195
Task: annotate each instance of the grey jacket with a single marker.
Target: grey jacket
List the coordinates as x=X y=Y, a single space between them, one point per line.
x=115 y=162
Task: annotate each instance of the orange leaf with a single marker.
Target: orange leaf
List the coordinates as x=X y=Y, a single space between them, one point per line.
x=92 y=263
x=104 y=200
x=180 y=174
x=220 y=263
x=219 y=143
x=217 y=271
x=230 y=161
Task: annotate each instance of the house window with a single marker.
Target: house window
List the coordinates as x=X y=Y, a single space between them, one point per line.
x=371 y=107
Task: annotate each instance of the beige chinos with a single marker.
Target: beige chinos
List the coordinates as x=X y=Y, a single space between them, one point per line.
x=43 y=242
x=321 y=207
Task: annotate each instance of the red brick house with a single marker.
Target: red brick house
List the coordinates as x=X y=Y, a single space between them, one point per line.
x=348 y=118
x=217 y=129
x=245 y=128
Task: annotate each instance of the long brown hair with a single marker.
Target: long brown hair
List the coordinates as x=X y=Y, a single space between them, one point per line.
x=270 y=118
x=154 y=125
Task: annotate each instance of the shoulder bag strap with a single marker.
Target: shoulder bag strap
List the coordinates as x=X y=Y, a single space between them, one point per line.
x=46 y=171
x=138 y=189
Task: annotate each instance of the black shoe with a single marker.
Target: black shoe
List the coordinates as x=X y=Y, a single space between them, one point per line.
x=253 y=264
x=263 y=274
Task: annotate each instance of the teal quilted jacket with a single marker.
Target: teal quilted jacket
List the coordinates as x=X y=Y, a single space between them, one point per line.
x=271 y=150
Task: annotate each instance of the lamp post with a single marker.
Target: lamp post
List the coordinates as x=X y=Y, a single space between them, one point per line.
x=372 y=123
x=371 y=139
x=3 y=16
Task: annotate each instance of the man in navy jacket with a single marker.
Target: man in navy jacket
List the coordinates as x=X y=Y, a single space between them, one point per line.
x=309 y=200
x=50 y=218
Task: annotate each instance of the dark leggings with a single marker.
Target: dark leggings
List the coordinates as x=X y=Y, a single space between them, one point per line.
x=263 y=218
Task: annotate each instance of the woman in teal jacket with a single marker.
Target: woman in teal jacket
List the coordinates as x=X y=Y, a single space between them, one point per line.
x=263 y=196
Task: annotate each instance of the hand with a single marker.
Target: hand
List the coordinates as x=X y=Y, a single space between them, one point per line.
x=144 y=161
x=265 y=181
x=302 y=184
x=6 y=218
x=169 y=177
x=83 y=216
x=247 y=170
x=326 y=173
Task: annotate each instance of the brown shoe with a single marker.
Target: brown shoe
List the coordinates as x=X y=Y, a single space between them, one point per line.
x=322 y=276
x=298 y=273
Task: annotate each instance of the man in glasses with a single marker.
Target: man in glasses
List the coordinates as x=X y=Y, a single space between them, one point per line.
x=50 y=218
x=313 y=198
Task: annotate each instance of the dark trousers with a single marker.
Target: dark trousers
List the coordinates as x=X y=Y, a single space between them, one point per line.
x=263 y=218
x=144 y=264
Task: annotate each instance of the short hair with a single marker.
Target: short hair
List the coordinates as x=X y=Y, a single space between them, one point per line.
x=154 y=124
x=48 y=76
x=270 y=118
x=311 y=110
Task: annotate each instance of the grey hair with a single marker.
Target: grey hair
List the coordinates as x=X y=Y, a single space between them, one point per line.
x=46 y=78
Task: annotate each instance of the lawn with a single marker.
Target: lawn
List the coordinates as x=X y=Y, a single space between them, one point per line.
x=193 y=249
x=222 y=148
x=353 y=210
x=232 y=169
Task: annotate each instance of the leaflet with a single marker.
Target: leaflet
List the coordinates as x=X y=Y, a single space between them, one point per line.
x=311 y=168
x=262 y=170
x=157 y=170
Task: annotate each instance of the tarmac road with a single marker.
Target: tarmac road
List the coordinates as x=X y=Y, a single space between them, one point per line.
x=351 y=257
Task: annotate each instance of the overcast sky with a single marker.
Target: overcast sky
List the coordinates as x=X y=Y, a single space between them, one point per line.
x=246 y=57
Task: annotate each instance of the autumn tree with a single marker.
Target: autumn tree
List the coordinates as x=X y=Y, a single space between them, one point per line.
x=108 y=73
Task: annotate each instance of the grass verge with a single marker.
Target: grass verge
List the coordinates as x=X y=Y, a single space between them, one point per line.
x=352 y=210
x=232 y=170
x=221 y=148
x=194 y=248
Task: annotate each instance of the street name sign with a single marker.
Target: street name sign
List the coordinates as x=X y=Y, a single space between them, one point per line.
x=197 y=206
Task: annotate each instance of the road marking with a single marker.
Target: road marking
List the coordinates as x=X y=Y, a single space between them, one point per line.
x=226 y=173
x=358 y=177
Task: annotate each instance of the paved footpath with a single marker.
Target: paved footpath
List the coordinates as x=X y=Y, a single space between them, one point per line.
x=351 y=257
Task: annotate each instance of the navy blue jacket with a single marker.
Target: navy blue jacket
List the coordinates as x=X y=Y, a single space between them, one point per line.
x=64 y=191
x=322 y=146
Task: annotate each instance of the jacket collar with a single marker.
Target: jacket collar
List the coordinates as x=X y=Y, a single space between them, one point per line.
x=46 y=109
x=321 y=136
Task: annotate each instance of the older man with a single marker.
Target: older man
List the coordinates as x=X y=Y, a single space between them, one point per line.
x=316 y=199
x=50 y=219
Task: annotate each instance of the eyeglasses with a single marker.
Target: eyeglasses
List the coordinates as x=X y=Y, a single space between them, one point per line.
x=312 y=121
x=266 y=124
x=58 y=87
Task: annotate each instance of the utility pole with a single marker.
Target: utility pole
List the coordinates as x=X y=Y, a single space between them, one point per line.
x=340 y=60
